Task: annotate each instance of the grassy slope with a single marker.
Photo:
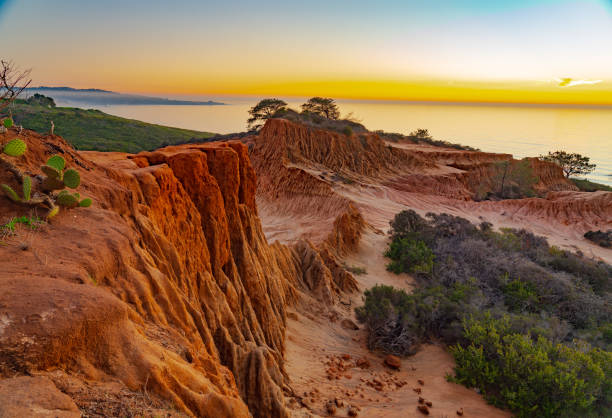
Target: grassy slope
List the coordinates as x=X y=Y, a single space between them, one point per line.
x=95 y=130
x=589 y=186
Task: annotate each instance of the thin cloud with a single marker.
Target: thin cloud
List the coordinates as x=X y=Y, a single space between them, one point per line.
x=570 y=82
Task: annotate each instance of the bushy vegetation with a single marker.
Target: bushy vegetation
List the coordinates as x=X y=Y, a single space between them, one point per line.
x=530 y=325
x=590 y=186
x=422 y=136
x=410 y=256
x=97 y=131
x=601 y=238
x=534 y=377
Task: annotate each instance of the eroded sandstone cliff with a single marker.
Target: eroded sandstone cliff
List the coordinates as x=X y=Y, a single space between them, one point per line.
x=165 y=287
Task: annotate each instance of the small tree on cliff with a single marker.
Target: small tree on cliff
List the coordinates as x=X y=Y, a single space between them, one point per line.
x=12 y=82
x=572 y=164
x=322 y=106
x=263 y=111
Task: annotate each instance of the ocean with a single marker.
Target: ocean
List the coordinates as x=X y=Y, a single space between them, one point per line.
x=524 y=131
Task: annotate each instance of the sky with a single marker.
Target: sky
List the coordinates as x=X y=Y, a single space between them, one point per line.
x=537 y=51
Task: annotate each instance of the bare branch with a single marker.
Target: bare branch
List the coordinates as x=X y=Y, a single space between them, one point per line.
x=12 y=82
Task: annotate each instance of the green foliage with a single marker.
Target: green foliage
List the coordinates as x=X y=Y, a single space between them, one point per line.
x=409 y=256
x=590 y=186
x=15 y=148
x=41 y=100
x=570 y=163
x=31 y=222
x=347 y=131
x=521 y=296
x=94 y=130
x=8 y=123
x=532 y=377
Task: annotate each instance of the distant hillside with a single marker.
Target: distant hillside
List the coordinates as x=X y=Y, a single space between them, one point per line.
x=98 y=131
x=97 y=97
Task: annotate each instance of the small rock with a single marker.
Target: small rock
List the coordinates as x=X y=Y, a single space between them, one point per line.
x=421 y=400
x=352 y=411
x=363 y=363
x=460 y=412
x=339 y=402
x=330 y=407
x=393 y=362
x=346 y=356
x=421 y=382
x=417 y=390
x=423 y=409
x=348 y=324
x=292 y=315
x=429 y=404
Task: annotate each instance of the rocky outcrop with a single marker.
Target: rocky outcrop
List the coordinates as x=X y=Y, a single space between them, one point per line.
x=166 y=286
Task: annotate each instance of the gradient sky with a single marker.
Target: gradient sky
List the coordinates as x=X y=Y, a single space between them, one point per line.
x=473 y=50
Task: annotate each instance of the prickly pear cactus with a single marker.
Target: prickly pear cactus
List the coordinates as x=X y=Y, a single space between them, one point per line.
x=72 y=178
x=67 y=199
x=54 y=211
x=51 y=172
x=10 y=193
x=57 y=162
x=15 y=148
x=85 y=203
x=27 y=188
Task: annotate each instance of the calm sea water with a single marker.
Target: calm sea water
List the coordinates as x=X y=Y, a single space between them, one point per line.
x=521 y=131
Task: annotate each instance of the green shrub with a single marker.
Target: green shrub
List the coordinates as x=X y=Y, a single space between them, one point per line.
x=347 y=131
x=409 y=256
x=532 y=377
x=520 y=295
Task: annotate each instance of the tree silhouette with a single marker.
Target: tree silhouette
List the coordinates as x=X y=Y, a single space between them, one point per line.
x=322 y=106
x=571 y=164
x=263 y=111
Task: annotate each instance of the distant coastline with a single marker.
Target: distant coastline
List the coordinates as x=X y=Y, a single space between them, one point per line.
x=101 y=97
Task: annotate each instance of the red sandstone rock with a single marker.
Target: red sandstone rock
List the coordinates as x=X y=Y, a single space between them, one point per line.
x=393 y=362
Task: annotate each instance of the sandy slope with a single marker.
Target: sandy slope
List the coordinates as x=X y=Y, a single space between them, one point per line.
x=313 y=341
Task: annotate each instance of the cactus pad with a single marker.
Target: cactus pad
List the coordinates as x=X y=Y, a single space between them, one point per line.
x=72 y=178
x=50 y=184
x=56 y=162
x=15 y=148
x=27 y=188
x=51 y=172
x=8 y=123
x=67 y=200
x=54 y=211
x=85 y=203
x=10 y=193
